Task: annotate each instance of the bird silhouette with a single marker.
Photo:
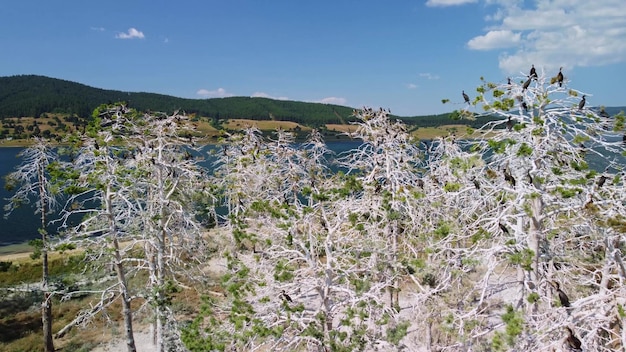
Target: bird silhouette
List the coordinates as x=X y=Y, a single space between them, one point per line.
x=581 y=105
x=476 y=183
x=533 y=72
x=509 y=178
x=503 y=228
x=466 y=97
x=285 y=296
x=526 y=84
x=509 y=125
x=563 y=299
x=572 y=341
x=559 y=77
x=601 y=181
x=525 y=106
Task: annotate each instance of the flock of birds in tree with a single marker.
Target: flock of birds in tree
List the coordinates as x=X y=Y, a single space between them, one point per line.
x=572 y=341
x=558 y=79
x=533 y=75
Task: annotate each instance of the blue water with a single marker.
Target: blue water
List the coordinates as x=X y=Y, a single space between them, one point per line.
x=23 y=225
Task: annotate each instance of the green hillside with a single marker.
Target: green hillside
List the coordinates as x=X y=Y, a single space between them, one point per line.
x=31 y=95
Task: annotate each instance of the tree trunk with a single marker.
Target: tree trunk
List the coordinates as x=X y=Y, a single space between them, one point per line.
x=126 y=308
x=534 y=237
x=160 y=309
x=46 y=305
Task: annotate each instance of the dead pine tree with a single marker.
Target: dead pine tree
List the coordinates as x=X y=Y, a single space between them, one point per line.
x=33 y=181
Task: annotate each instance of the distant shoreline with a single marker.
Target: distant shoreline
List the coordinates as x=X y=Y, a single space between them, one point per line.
x=15 y=251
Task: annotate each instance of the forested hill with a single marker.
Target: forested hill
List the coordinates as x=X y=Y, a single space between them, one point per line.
x=31 y=95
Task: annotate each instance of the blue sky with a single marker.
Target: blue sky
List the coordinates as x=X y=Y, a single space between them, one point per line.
x=402 y=55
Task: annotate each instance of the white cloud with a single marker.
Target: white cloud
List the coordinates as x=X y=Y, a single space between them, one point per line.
x=429 y=76
x=411 y=86
x=494 y=40
x=265 y=95
x=333 y=100
x=218 y=93
x=131 y=34
x=442 y=3
x=554 y=33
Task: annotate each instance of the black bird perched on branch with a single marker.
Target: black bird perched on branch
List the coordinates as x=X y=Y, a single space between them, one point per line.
x=562 y=296
x=503 y=228
x=602 y=180
x=572 y=341
x=533 y=72
x=466 y=97
x=526 y=84
x=559 y=77
x=285 y=296
x=525 y=106
x=509 y=124
x=476 y=183
x=509 y=178
x=581 y=105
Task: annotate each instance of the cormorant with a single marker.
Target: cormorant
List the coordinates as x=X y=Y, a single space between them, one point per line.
x=562 y=296
x=285 y=296
x=476 y=183
x=466 y=97
x=533 y=72
x=503 y=228
x=524 y=106
x=508 y=177
x=559 y=77
x=509 y=124
x=581 y=105
x=526 y=84
x=602 y=180
x=572 y=341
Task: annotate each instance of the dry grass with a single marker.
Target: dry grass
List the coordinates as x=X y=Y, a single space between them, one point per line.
x=341 y=128
x=20 y=314
x=239 y=124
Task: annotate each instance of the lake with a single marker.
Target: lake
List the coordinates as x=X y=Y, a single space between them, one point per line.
x=23 y=225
